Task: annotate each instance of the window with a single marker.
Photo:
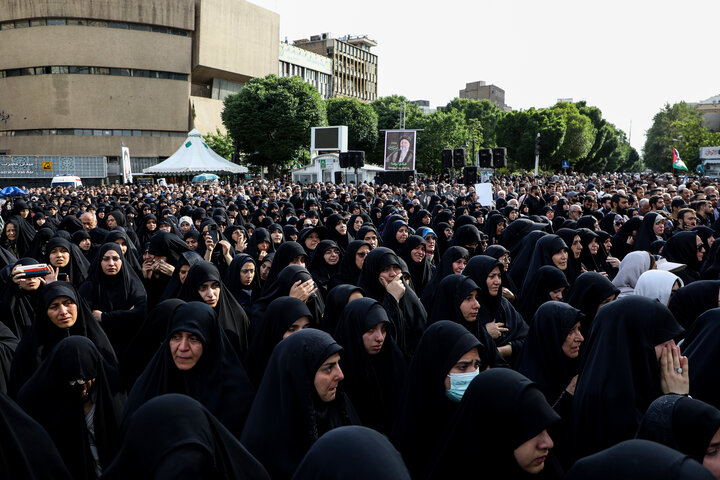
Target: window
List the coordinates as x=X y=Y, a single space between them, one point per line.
x=97 y=133
x=121 y=25
x=97 y=23
x=100 y=71
x=117 y=133
x=79 y=70
x=22 y=24
x=38 y=23
x=159 y=29
x=76 y=21
x=121 y=72
x=57 y=21
x=58 y=70
x=137 y=26
x=7 y=26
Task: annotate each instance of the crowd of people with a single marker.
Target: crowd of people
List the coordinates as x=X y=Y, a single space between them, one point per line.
x=568 y=328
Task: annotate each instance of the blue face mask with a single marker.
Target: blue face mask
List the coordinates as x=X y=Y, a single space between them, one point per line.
x=459 y=383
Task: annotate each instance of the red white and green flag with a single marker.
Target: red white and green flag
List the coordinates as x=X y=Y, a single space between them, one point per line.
x=677 y=162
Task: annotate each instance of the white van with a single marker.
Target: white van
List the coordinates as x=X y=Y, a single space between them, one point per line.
x=66 y=181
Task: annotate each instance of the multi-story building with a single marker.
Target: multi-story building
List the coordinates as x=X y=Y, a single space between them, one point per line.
x=481 y=91
x=315 y=69
x=354 y=65
x=710 y=109
x=77 y=78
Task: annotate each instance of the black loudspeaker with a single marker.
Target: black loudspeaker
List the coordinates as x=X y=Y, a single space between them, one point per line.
x=459 y=157
x=447 y=158
x=396 y=177
x=499 y=157
x=485 y=157
x=352 y=159
x=338 y=177
x=470 y=175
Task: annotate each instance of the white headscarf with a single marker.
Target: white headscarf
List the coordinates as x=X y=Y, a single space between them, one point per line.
x=657 y=285
x=632 y=266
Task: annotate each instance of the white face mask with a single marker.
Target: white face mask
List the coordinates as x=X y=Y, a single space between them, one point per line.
x=459 y=382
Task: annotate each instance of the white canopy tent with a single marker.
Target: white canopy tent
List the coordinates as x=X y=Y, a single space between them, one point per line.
x=193 y=157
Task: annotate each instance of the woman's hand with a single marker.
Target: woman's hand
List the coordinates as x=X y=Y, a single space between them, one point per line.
x=612 y=261
x=495 y=329
x=303 y=290
x=241 y=245
x=508 y=294
x=396 y=288
x=571 y=386
x=674 y=373
x=161 y=266
x=52 y=276
x=97 y=314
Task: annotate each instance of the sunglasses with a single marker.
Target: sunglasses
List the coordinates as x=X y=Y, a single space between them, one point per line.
x=700 y=247
x=362 y=254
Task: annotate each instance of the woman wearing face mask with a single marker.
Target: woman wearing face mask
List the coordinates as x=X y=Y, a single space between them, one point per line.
x=78 y=401
x=115 y=295
x=513 y=408
x=444 y=364
x=496 y=314
x=300 y=398
x=283 y=317
x=203 y=284
x=687 y=425
x=196 y=359
x=373 y=365
x=631 y=360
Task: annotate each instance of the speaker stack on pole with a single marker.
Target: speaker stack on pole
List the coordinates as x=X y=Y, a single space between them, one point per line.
x=447 y=158
x=485 y=157
x=352 y=159
x=499 y=157
x=470 y=175
x=459 y=158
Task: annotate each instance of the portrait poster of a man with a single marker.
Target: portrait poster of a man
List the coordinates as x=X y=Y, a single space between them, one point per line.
x=400 y=150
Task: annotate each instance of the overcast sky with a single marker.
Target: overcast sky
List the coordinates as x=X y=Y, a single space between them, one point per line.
x=629 y=58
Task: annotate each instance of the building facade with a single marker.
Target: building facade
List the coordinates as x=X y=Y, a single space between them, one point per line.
x=78 y=78
x=354 y=65
x=317 y=70
x=710 y=110
x=481 y=91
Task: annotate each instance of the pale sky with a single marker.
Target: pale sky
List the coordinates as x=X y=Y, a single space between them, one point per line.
x=627 y=58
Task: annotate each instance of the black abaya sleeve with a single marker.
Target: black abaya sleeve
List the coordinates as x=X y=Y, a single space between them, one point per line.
x=8 y=344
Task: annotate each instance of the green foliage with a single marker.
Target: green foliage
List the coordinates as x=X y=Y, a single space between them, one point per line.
x=360 y=118
x=679 y=126
x=389 y=111
x=485 y=112
x=440 y=130
x=270 y=120
x=220 y=143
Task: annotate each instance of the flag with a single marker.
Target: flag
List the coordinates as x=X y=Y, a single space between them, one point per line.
x=677 y=162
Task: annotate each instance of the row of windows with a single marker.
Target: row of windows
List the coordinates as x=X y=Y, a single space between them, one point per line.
x=92 y=132
x=120 y=72
x=41 y=22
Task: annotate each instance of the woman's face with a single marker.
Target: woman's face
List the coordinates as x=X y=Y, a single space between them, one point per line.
x=110 y=222
x=550 y=214
x=505 y=260
x=297 y=325
x=659 y=348
x=27 y=284
x=700 y=248
x=238 y=236
x=151 y=225
x=711 y=460
x=357 y=225
x=299 y=260
x=247 y=273
x=210 y=292
x=426 y=220
x=418 y=253
x=499 y=228
x=182 y=273
x=531 y=455
x=576 y=247
x=185 y=227
x=59 y=257
x=123 y=245
x=448 y=233
x=560 y=259
x=111 y=263
x=371 y=238
x=186 y=349
x=360 y=256
x=85 y=244
x=557 y=295
x=62 y=312
x=513 y=214
x=607 y=244
x=571 y=345
x=430 y=244
x=607 y=300
x=328 y=377
x=331 y=256
x=389 y=274
x=341 y=227
x=374 y=338
x=276 y=236
x=263 y=246
x=465 y=364
x=10 y=232
x=494 y=280
x=312 y=240
x=593 y=246
x=459 y=265
x=659 y=225
x=470 y=307
x=264 y=270
x=402 y=234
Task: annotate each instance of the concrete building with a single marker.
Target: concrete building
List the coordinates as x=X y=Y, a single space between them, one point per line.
x=710 y=109
x=354 y=66
x=315 y=69
x=424 y=106
x=481 y=91
x=78 y=78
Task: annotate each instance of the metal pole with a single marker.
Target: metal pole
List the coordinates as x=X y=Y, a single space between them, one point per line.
x=537 y=156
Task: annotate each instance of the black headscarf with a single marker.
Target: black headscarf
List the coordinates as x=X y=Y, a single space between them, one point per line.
x=543 y=360
x=522 y=256
x=49 y=398
x=700 y=346
x=574 y=265
x=24 y=234
x=43 y=335
x=589 y=291
x=420 y=272
x=408 y=315
x=131 y=253
x=537 y=290
x=174 y=435
x=691 y=301
x=425 y=409
x=545 y=248
x=444 y=269
x=646 y=234
x=230 y=315
x=244 y=294
x=373 y=382
x=348 y=273
x=389 y=239
x=620 y=247
x=286 y=253
x=218 y=379
x=320 y=270
x=621 y=375
x=683 y=423
x=17 y=306
x=352 y=453
x=638 y=460
x=172 y=290
x=259 y=235
x=342 y=240
x=288 y=416
x=77 y=267
x=121 y=298
x=77 y=238
x=682 y=248
x=500 y=411
x=497 y=308
x=279 y=316
x=335 y=303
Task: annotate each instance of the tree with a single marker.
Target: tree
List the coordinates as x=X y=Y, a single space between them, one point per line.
x=220 y=143
x=485 y=112
x=390 y=111
x=360 y=118
x=441 y=130
x=677 y=126
x=270 y=120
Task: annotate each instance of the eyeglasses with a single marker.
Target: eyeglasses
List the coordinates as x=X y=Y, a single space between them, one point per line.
x=362 y=254
x=700 y=247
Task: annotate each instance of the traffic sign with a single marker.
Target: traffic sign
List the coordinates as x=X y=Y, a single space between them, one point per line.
x=566 y=164
x=47 y=166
